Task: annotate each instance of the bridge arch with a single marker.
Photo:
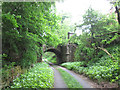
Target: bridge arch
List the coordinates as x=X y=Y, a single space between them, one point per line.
x=57 y=53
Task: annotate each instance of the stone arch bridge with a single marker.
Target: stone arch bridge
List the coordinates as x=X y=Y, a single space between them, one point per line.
x=64 y=53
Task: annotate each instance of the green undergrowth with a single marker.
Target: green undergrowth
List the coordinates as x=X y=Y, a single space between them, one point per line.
x=40 y=76
x=103 y=70
x=50 y=57
x=101 y=67
x=70 y=81
x=52 y=60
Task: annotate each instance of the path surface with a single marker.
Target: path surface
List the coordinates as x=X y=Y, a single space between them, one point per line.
x=58 y=81
x=83 y=82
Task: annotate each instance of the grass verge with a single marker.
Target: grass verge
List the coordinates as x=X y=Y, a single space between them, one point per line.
x=70 y=81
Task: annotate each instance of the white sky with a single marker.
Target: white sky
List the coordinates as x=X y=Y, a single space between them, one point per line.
x=78 y=7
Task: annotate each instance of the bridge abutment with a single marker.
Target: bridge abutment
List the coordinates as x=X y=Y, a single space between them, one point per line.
x=64 y=53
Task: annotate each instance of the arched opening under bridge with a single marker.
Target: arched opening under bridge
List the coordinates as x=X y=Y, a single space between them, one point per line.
x=57 y=53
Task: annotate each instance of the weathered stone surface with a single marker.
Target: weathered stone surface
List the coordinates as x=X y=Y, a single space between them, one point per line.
x=64 y=53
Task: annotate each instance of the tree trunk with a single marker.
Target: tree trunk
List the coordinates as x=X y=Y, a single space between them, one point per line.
x=117 y=11
x=105 y=50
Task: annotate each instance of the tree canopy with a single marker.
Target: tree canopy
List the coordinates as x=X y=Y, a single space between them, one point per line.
x=26 y=27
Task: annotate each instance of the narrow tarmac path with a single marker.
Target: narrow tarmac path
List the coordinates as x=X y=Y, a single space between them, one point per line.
x=58 y=81
x=83 y=82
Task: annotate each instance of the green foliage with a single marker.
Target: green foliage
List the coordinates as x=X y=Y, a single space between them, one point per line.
x=6 y=71
x=104 y=69
x=72 y=65
x=100 y=67
x=28 y=58
x=84 y=53
x=26 y=27
x=84 y=50
x=69 y=80
x=40 y=76
x=98 y=31
x=51 y=57
x=11 y=65
x=53 y=60
x=102 y=29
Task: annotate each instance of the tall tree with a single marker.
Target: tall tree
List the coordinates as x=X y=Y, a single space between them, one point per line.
x=26 y=26
x=117 y=8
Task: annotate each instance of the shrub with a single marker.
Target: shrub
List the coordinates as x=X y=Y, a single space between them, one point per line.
x=104 y=69
x=72 y=65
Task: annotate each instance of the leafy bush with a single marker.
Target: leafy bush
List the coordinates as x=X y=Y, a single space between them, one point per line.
x=83 y=52
x=72 y=65
x=104 y=69
x=40 y=76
